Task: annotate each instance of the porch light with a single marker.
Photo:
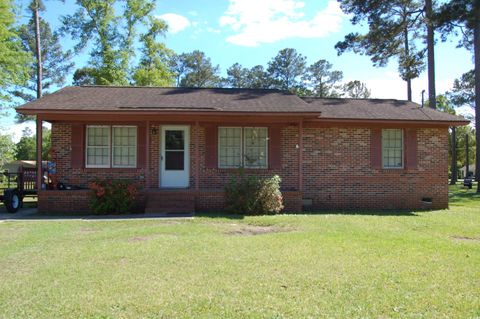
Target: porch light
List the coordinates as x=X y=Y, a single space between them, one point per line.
x=154 y=130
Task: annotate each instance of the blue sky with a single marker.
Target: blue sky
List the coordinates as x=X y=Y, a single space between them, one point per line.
x=251 y=32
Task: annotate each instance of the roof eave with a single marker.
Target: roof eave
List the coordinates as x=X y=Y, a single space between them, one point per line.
x=392 y=121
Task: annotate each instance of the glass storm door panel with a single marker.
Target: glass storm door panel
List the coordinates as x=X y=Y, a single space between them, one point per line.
x=174 y=157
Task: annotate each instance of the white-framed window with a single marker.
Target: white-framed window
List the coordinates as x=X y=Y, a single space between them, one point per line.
x=230 y=147
x=111 y=146
x=392 y=148
x=124 y=146
x=98 y=146
x=255 y=147
x=247 y=147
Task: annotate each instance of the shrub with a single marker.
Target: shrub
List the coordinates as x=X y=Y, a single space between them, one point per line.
x=251 y=195
x=117 y=196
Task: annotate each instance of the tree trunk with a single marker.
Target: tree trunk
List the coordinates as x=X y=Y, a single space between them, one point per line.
x=407 y=53
x=476 y=46
x=453 y=166
x=467 y=162
x=432 y=96
x=38 y=53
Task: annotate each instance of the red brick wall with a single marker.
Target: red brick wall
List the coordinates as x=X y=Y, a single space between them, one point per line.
x=61 y=144
x=338 y=173
x=336 y=165
x=55 y=201
x=217 y=178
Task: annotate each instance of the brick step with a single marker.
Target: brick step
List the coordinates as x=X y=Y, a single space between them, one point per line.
x=170 y=202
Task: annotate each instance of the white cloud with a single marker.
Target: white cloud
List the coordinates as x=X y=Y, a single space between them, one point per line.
x=176 y=22
x=268 y=21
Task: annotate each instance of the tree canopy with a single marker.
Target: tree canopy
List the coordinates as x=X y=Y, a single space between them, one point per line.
x=14 y=61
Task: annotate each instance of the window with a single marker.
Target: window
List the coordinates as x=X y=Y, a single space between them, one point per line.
x=255 y=141
x=124 y=146
x=98 y=146
x=392 y=148
x=111 y=146
x=230 y=147
x=245 y=147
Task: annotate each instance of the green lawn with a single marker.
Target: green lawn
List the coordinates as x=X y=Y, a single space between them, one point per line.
x=413 y=265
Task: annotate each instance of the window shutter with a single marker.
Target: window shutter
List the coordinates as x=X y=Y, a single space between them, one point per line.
x=77 y=145
x=376 y=148
x=275 y=147
x=141 y=146
x=410 y=148
x=211 y=142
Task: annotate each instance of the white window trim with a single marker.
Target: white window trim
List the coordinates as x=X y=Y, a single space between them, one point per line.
x=403 y=151
x=242 y=147
x=245 y=147
x=218 y=146
x=109 y=146
x=113 y=145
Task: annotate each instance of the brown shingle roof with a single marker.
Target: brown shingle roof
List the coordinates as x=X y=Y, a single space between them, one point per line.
x=114 y=98
x=377 y=109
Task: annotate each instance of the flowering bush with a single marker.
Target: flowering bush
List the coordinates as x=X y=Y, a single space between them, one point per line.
x=253 y=195
x=110 y=197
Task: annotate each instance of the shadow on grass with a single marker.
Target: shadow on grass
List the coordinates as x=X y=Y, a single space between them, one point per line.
x=219 y=215
x=386 y=212
x=323 y=212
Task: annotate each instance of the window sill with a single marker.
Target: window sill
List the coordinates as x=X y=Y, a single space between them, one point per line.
x=111 y=169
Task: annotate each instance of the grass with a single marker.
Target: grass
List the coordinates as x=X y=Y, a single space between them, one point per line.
x=418 y=265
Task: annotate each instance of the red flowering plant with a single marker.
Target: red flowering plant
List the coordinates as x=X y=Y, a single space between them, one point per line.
x=113 y=196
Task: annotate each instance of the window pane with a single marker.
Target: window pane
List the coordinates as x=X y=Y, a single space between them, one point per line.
x=174 y=140
x=392 y=148
x=98 y=145
x=124 y=146
x=255 y=147
x=230 y=145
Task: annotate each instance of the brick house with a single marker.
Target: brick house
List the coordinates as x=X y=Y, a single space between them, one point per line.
x=183 y=145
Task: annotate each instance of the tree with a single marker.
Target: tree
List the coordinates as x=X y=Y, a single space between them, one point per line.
x=258 y=78
x=196 y=70
x=392 y=26
x=84 y=76
x=153 y=69
x=113 y=34
x=13 y=59
x=465 y=16
x=445 y=105
x=463 y=92
x=322 y=80
x=286 y=68
x=237 y=76
x=241 y=77
x=55 y=63
x=430 y=53
x=7 y=149
x=26 y=148
x=356 y=89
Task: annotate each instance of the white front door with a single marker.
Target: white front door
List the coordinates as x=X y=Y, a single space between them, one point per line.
x=174 y=156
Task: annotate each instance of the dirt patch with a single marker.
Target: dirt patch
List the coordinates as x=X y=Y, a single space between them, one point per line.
x=250 y=230
x=466 y=238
